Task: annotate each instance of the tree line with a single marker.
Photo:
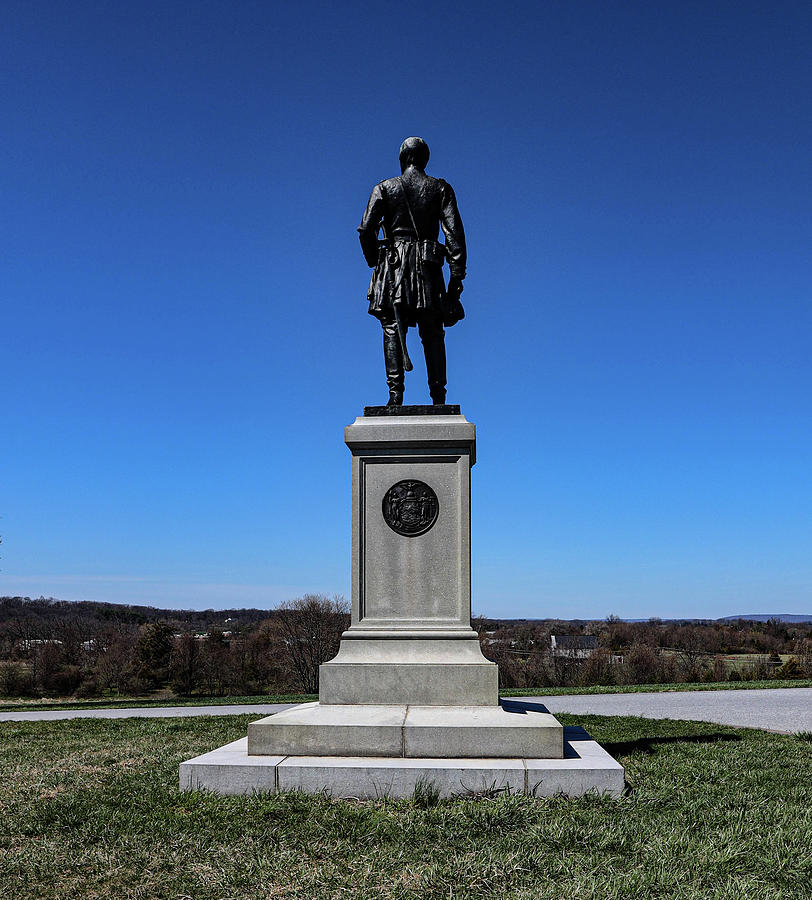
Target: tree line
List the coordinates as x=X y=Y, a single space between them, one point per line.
x=650 y=652
x=52 y=648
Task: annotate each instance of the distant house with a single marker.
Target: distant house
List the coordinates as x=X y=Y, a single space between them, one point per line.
x=33 y=643
x=576 y=646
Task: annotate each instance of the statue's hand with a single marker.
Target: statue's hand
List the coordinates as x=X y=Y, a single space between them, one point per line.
x=455 y=287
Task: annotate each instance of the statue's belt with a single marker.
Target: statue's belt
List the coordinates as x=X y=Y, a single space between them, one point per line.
x=428 y=250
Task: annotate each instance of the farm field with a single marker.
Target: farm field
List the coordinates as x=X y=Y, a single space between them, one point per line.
x=91 y=808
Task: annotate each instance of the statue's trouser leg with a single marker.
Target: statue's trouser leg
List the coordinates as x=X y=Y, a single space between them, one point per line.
x=393 y=358
x=430 y=326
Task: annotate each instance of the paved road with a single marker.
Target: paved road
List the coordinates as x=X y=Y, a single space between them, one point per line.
x=146 y=712
x=775 y=709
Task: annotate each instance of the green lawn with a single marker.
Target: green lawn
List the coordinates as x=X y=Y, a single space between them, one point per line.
x=646 y=688
x=24 y=703
x=91 y=809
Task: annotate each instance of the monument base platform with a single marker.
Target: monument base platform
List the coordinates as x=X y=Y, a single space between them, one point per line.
x=511 y=730
x=586 y=767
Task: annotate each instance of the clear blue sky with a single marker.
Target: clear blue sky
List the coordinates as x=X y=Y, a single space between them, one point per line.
x=184 y=324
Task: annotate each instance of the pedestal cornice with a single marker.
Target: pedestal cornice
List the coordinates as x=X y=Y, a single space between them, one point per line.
x=370 y=432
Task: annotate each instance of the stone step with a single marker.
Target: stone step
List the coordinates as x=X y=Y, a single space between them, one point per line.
x=510 y=730
x=585 y=768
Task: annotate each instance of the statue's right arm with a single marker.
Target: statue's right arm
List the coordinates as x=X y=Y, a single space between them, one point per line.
x=368 y=229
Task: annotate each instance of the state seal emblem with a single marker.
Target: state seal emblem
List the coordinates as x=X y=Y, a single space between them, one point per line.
x=410 y=508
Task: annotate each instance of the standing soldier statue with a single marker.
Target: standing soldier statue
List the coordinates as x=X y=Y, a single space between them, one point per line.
x=407 y=286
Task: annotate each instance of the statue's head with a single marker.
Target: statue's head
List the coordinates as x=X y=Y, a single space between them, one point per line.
x=414 y=151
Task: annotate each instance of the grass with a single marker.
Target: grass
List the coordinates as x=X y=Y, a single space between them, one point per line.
x=27 y=704
x=646 y=688
x=91 y=809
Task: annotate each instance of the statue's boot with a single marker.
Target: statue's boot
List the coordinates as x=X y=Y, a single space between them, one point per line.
x=393 y=360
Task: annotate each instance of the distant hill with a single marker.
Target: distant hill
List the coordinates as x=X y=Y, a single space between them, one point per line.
x=765 y=617
x=48 y=609
x=92 y=613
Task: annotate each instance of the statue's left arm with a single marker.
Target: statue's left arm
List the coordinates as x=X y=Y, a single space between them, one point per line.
x=370 y=222
x=451 y=223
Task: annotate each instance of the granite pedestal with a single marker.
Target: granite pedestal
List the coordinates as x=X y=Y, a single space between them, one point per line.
x=409 y=695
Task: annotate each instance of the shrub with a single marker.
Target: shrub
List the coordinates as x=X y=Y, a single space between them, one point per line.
x=598 y=668
x=64 y=680
x=709 y=675
x=790 y=669
x=88 y=687
x=642 y=666
x=153 y=648
x=719 y=668
x=15 y=680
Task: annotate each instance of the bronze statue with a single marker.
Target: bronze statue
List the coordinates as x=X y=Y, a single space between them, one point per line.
x=407 y=286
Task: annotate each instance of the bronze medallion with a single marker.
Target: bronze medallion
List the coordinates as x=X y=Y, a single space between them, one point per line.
x=410 y=508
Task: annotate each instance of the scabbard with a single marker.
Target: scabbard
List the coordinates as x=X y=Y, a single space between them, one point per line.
x=407 y=363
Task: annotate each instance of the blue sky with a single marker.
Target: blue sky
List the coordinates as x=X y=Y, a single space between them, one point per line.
x=183 y=315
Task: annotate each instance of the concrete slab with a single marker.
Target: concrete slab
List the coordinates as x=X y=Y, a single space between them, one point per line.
x=513 y=730
x=476 y=731
x=230 y=770
x=316 y=729
x=586 y=767
x=369 y=778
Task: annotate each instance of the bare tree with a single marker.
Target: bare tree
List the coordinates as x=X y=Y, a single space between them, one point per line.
x=184 y=666
x=311 y=628
x=215 y=663
x=598 y=668
x=114 y=649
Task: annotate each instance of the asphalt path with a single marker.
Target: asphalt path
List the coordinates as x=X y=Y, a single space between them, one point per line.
x=786 y=710
x=145 y=712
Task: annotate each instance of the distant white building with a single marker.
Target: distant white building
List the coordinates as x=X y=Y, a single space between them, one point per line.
x=576 y=646
x=33 y=643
